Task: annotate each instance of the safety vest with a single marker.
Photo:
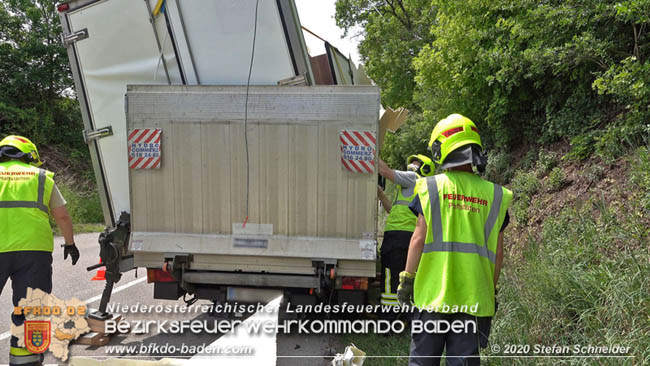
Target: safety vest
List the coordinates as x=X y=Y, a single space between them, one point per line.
x=401 y=217
x=464 y=215
x=24 y=214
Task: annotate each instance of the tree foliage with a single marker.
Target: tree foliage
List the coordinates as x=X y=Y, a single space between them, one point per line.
x=394 y=33
x=35 y=75
x=526 y=71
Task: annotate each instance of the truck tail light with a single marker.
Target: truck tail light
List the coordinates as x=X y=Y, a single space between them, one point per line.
x=353 y=283
x=158 y=275
x=63 y=7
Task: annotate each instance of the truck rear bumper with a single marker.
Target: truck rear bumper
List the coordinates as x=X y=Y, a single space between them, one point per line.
x=282 y=255
x=250 y=279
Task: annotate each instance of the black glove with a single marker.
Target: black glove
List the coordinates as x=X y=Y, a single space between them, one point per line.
x=381 y=181
x=72 y=251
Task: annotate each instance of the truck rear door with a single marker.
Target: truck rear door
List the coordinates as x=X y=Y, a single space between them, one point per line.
x=104 y=60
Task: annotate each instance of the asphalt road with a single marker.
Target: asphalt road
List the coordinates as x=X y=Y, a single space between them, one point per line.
x=69 y=281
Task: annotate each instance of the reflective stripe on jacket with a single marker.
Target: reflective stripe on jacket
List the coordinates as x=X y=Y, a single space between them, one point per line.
x=463 y=218
x=25 y=193
x=401 y=217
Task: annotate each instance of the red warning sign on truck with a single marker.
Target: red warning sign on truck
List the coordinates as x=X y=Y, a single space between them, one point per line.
x=144 y=148
x=358 y=150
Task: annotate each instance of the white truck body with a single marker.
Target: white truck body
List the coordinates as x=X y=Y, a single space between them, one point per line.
x=304 y=207
x=112 y=43
x=307 y=214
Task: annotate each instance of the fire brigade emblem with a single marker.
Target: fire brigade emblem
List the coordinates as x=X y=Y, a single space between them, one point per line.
x=37 y=335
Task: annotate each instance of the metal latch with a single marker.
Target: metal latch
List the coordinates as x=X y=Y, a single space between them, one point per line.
x=97 y=134
x=74 y=37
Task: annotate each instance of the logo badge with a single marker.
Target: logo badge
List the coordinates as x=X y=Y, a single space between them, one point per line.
x=37 y=335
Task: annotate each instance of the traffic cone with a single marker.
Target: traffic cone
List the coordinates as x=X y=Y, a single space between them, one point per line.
x=101 y=273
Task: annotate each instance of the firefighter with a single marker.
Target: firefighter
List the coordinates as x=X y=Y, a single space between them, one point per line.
x=28 y=195
x=456 y=251
x=399 y=224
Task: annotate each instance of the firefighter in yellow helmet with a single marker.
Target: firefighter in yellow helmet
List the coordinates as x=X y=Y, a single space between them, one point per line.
x=399 y=226
x=456 y=250
x=28 y=195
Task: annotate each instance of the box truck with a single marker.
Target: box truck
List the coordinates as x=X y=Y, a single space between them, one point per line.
x=222 y=168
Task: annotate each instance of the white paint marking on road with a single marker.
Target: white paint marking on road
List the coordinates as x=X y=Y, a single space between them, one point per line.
x=263 y=345
x=7 y=334
x=118 y=289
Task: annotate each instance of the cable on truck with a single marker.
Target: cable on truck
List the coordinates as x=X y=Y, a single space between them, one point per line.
x=248 y=84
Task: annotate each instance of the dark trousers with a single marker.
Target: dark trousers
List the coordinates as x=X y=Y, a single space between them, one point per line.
x=394 y=250
x=26 y=269
x=460 y=348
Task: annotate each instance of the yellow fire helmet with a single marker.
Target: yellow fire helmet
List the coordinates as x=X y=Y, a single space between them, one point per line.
x=451 y=133
x=25 y=146
x=426 y=168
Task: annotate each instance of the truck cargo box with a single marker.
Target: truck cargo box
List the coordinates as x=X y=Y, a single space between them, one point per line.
x=304 y=205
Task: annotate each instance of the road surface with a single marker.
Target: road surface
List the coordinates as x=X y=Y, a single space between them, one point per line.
x=69 y=281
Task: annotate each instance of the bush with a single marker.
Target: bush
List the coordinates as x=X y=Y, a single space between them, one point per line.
x=546 y=161
x=525 y=183
x=520 y=208
x=499 y=168
x=619 y=139
x=529 y=159
x=556 y=180
x=524 y=186
x=593 y=173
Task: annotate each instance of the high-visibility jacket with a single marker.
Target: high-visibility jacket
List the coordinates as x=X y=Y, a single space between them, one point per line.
x=401 y=217
x=24 y=214
x=464 y=214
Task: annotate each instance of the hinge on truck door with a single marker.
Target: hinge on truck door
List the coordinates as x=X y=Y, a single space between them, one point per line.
x=97 y=134
x=74 y=37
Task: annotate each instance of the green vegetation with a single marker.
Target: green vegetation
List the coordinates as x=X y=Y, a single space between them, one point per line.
x=556 y=180
x=524 y=186
x=527 y=72
x=83 y=206
x=559 y=91
x=36 y=101
x=579 y=276
x=36 y=81
x=582 y=277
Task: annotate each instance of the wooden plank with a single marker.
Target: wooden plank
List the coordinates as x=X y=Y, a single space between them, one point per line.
x=99 y=326
x=93 y=339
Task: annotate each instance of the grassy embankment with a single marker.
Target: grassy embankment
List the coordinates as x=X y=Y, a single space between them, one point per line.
x=75 y=180
x=577 y=267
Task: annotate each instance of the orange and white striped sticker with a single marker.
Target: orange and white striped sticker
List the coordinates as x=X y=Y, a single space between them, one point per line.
x=358 y=150
x=144 y=148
